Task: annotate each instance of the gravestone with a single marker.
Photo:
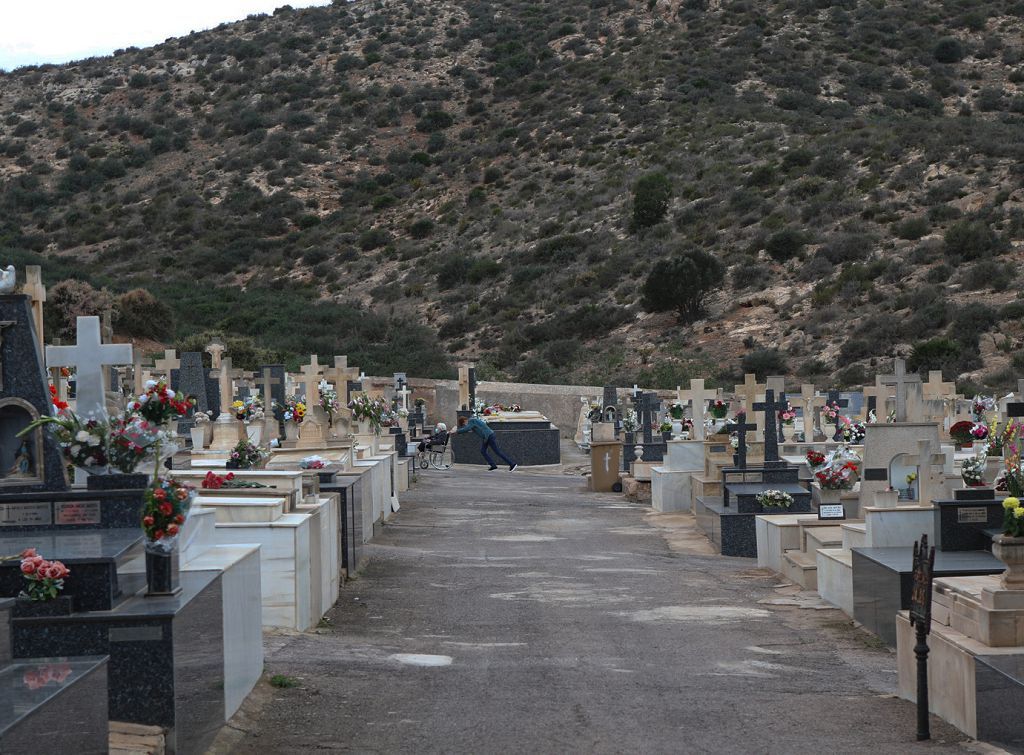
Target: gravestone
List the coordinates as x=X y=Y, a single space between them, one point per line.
x=277 y=389
x=88 y=356
x=900 y=380
x=190 y=379
x=32 y=463
x=741 y=429
x=834 y=399
x=771 y=408
x=472 y=387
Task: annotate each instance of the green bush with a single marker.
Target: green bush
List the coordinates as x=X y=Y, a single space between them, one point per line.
x=911 y=229
x=421 y=228
x=651 y=196
x=682 y=282
x=785 y=245
x=934 y=354
x=764 y=362
x=453 y=271
x=374 y=238
x=969 y=240
x=435 y=120
x=948 y=50
x=482 y=269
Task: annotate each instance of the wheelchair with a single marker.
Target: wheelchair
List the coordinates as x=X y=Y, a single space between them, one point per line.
x=437 y=455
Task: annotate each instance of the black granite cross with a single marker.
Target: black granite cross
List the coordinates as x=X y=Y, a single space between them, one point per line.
x=741 y=428
x=833 y=399
x=648 y=406
x=771 y=409
x=472 y=388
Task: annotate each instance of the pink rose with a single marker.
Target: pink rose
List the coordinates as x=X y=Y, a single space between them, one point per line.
x=28 y=567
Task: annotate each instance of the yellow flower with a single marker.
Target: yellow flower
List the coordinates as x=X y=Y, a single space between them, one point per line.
x=238 y=404
x=1019 y=512
x=1010 y=503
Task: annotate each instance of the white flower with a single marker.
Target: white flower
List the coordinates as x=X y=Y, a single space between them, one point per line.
x=82 y=436
x=150 y=384
x=75 y=450
x=94 y=440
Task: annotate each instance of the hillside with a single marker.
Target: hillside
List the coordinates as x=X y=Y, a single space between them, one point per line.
x=414 y=183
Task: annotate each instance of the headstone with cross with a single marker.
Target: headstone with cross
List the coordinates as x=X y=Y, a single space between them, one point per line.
x=266 y=382
x=225 y=376
x=741 y=428
x=747 y=394
x=699 y=398
x=647 y=413
x=812 y=403
x=313 y=430
x=771 y=408
x=835 y=400
x=341 y=375
x=227 y=430
x=89 y=356
x=931 y=472
x=876 y=398
x=464 y=404
x=402 y=390
x=215 y=349
x=900 y=380
x=34 y=287
x=140 y=373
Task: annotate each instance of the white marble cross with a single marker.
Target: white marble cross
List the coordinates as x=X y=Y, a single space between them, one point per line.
x=900 y=379
x=607 y=462
x=698 y=397
x=403 y=396
x=89 y=356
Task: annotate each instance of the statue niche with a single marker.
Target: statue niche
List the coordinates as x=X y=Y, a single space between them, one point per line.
x=21 y=459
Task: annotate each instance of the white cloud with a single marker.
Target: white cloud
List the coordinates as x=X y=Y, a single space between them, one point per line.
x=56 y=31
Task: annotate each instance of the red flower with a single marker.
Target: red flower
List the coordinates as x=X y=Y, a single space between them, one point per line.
x=148 y=521
x=231 y=476
x=179 y=519
x=172 y=529
x=160 y=494
x=158 y=535
x=166 y=509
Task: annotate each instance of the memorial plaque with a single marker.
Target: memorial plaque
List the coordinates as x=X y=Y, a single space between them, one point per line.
x=135 y=634
x=77 y=512
x=972 y=515
x=717 y=449
x=21 y=514
x=877 y=474
x=831 y=511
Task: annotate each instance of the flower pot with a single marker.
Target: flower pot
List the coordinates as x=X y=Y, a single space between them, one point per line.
x=161 y=572
x=62 y=605
x=1010 y=550
x=363 y=427
x=207 y=433
x=198 y=434
x=667 y=435
x=827 y=495
x=291 y=430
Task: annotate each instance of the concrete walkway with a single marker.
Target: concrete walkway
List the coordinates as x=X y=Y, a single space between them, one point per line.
x=519 y=613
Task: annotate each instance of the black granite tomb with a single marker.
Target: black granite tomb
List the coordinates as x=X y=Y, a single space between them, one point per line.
x=964 y=523
x=527 y=442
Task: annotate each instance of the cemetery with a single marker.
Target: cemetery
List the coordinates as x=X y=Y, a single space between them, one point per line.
x=209 y=502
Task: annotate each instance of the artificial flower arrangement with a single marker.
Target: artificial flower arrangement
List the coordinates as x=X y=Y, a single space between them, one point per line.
x=775 y=499
x=815 y=459
x=58 y=405
x=853 y=432
x=979 y=431
x=329 y=400
x=1013 y=517
x=165 y=507
x=313 y=462
x=981 y=405
x=831 y=412
x=39 y=676
x=214 y=481
x=420 y=403
x=249 y=410
x=159 y=404
x=246 y=455
x=293 y=410
x=665 y=426
x=840 y=477
x=629 y=421
x=911 y=478
x=677 y=410
x=43 y=579
x=719 y=409
x=973 y=471
x=83 y=442
x=1013 y=444
x=132 y=440
x=368 y=409
x=963 y=432
x=788 y=415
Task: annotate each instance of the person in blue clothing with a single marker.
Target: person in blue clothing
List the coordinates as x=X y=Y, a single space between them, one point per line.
x=478 y=426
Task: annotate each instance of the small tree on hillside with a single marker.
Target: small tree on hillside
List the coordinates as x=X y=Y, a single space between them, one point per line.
x=651 y=196
x=681 y=283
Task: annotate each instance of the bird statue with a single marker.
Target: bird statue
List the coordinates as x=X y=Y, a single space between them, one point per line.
x=8 y=280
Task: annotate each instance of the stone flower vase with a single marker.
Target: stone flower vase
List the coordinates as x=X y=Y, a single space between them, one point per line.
x=363 y=427
x=826 y=495
x=291 y=430
x=161 y=571
x=1010 y=550
x=198 y=434
x=254 y=432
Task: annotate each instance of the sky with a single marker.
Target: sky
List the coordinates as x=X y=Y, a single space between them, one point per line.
x=58 y=31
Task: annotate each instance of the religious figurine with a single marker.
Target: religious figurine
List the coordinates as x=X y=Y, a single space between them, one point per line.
x=22 y=462
x=8 y=280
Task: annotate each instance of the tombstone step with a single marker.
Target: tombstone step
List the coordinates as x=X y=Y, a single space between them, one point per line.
x=822 y=537
x=801 y=568
x=855 y=535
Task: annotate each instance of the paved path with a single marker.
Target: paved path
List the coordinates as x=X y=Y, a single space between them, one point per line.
x=563 y=621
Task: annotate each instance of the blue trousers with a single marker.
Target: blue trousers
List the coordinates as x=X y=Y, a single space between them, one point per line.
x=489 y=443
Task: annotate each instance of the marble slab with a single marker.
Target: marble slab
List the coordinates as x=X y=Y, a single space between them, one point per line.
x=243 y=509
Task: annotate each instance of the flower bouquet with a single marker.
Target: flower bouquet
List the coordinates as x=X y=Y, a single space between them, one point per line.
x=515 y=408
x=159 y=404
x=58 y=405
x=248 y=410
x=961 y=433
x=719 y=409
x=775 y=499
x=246 y=455
x=39 y=676
x=366 y=409
x=165 y=507
x=293 y=410
x=981 y=405
x=214 y=481
x=973 y=471
x=831 y=412
x=630 y=421
x=815 y=459
x=1013 y=517
x=133 y=439
x=43 y=579
x=840 y=477
x=853 y=432
x=329 y=400
x=677 y=411
x=979 y=431
x=665 y=426
x=788 y=415
x=83 y=442
x=312 y=462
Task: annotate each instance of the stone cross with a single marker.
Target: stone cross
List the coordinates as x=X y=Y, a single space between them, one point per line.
x=935 y=388
x=311 y=374
x=341 y=373
x=225 y=375
x=741 y=428
x=876 y=398
x=748 y=393
x=698 y=397
x=34 y=287
x=139 y=369
x=403 y=395
x=170 y=362
x=463 y=386
x=930 y=483
x=89 y=356
x=900 y=379
x=771 y=409
x=267 y=382
x=216 y=349
x=108 y=327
